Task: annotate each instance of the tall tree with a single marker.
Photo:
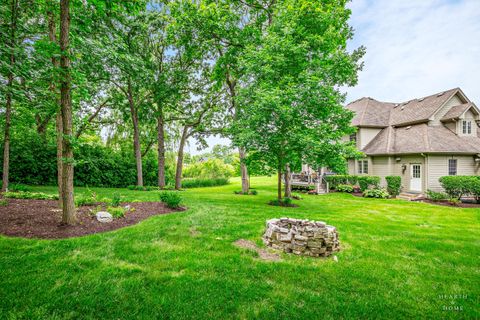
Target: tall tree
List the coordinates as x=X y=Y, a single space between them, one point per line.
x=8 y=105
x=292 y=104
x=127 y=60
x=68 y=206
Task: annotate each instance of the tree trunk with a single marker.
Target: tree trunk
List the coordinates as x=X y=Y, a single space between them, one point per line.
x=8 y=104
x=6 y=138
x=241 y=151
x=136 y=136
x=288 y=185
x=59 y=129
x=279 y=183
x=161 y=150
x=243 y=171
x=178 y=172
x=52 y=35
x=68 y=216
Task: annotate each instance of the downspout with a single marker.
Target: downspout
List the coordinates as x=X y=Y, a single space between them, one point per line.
x=426 y=171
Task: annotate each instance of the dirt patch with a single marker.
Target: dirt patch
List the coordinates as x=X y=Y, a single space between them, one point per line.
x=42 y=219
x=448 y=204
x=262 y=253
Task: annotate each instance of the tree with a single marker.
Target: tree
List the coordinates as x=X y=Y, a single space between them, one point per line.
x=127 y=58
x=229 y=26
x=292 y=104
x=8 y=105
x=204 y=115
x=68 y=206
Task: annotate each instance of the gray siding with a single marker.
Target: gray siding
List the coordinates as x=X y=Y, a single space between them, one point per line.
x=438 y=167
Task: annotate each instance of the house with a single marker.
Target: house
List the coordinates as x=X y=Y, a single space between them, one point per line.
x=420 y=140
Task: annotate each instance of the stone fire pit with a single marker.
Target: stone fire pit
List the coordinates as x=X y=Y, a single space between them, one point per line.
x=302 y=237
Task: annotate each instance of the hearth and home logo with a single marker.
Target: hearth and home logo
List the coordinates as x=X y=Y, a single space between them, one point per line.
x=452 y=302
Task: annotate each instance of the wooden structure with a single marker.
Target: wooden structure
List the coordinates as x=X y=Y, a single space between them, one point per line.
x=310 y=181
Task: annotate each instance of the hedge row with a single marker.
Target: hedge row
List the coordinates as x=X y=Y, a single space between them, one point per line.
x=33 y=161
x=199 y=183
x=459 y=186
x=394 y=185
x=365 y=182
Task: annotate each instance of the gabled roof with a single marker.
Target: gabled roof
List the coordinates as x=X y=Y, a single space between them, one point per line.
x=373 y=113
x=370 y=112
x=457 y=111
x=420 y=110
x=421 y=138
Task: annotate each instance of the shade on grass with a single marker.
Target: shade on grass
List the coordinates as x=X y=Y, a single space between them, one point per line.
x=398 y=260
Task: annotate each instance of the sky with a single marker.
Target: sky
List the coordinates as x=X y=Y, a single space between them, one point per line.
x=414 y=48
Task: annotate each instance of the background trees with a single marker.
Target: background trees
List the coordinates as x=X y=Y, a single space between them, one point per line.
x=125 y=86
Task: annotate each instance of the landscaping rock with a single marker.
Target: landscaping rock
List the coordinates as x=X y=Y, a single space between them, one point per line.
x=302 y=237
x=104 y=216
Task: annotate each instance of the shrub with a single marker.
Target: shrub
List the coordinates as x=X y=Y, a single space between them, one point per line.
x=454 y=201
x=17 y=187
x=436 y=196
x=285 y=202
x=115 y=200
x=376 y=193
x=368 y=182
x=296 y=196
x=199 y=183
x=171 y=198
x=3 y=202
x=30 y=195
x=458 y=186
x=209 y=169
x=365 y=182
x=86 y=200
x=394 y=184
x=335 y=180
x=142 y=188
x=345 y=188
x=117 y=212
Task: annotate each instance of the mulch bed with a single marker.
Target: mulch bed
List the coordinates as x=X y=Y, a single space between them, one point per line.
x=448 y=204
x=42 y=219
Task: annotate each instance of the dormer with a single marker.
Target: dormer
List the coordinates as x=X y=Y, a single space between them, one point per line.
x=463 y=119
x=457 y=98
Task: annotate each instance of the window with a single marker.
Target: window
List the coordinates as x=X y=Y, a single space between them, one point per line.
x=363 y=166
x=467 y=127
x=416 y=171
x=353 y=137
x=452 y=167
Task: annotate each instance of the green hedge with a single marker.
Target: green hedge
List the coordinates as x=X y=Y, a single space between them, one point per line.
x=33 y=162
x=199 y=183
x=394 y=184
x=459 y=186
x=345 y=188
x=365 y=182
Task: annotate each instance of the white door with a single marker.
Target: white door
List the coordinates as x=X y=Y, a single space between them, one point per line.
x=416 y=177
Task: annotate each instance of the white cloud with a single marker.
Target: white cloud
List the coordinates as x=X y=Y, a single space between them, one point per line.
x=416 y=48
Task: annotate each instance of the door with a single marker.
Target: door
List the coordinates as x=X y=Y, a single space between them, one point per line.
x=416 y=177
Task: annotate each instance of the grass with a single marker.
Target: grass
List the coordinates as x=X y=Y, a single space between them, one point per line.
x=399 y=260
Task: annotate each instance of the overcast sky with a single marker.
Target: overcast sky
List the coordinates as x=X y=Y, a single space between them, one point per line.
x=414 y=48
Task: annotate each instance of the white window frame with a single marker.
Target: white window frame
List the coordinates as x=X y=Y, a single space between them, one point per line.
x=452 y=171
x=362 y=166
x=467 y=126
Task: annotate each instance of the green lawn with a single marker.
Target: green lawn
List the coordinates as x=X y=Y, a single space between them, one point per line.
x=398 y=260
